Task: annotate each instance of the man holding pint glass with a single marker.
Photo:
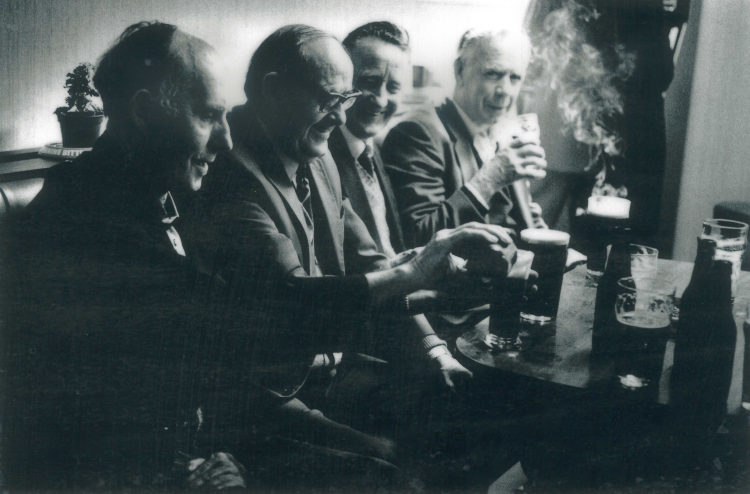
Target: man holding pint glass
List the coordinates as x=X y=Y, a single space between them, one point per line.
x=457 y=163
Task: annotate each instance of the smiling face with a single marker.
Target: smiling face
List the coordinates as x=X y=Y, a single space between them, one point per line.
x=489 y=77
x=189 y=140
x=296 y=122
x=380 y=70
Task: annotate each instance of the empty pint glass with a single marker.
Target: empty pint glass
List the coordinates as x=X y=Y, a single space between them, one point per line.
x=550 y=248
x=604 y=215
x=731 y=242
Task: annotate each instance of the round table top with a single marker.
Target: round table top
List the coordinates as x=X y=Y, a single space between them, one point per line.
x=559 y=352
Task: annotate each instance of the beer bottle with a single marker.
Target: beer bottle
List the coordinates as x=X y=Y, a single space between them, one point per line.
x=705 y=342
x=604 y=338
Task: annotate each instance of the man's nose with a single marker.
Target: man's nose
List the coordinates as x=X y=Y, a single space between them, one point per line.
x=503 y=86
x=380 y=95
x=221 y=137
x=339 y=115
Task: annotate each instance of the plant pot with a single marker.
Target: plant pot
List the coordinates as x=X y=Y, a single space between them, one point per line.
x=79 y=130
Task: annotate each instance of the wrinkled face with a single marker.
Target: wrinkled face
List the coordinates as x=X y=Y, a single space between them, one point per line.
x=490 y=77
x=199 y=130
x=380 y=71
x=299 y=126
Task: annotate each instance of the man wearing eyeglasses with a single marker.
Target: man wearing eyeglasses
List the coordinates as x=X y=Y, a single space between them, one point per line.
x=279 y=231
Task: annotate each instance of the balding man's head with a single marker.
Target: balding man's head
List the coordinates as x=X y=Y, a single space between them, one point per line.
x=490 y=70
x=299 y=84
x=162 y=93
x=153 y=56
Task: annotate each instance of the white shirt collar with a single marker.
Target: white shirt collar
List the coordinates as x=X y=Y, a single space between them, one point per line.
x=356 y=145
x=474 y=129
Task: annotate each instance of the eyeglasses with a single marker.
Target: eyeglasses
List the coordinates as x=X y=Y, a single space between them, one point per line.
x=328 y=101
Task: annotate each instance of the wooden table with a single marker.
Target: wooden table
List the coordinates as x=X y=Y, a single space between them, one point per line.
x=559 y=352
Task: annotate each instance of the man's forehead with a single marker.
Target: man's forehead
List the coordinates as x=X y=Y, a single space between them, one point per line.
x=211 y=87
x=371 y=51
x=500 y=49
x=328 y=61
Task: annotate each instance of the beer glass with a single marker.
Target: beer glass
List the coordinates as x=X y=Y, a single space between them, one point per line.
x=603 y=215
x=550 y=248
x=506 y=301
x=643 y=261
x=643 y=309
x=731 y=242
x=525 y=126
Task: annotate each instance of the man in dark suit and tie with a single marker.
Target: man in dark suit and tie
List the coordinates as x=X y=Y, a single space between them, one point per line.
x=445 y=163
x=279 y=230
x=380 y=55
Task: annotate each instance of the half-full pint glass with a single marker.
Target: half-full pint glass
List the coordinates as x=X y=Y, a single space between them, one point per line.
x=550 y=248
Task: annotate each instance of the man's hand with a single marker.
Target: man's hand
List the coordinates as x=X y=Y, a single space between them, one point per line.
x=521 y=159
x=220 y=471
x=454 y=374
x=536 y=213
x=472 y=241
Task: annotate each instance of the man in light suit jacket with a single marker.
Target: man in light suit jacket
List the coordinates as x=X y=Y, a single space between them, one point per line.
x=278 y=229
x=445 y=163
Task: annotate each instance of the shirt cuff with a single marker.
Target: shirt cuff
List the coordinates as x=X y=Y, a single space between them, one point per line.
x=475 y=194
x=431 y=341
x=438 y=351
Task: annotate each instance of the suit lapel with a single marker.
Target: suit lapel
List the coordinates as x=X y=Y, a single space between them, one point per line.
x=329 y=228
x=393 y=218
x=461 y=137
x=351 y=181
x=254 y=142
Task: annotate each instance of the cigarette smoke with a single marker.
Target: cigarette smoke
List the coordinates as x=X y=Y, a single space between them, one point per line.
x=584 y=76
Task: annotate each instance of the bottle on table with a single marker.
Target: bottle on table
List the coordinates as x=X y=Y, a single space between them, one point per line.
x=605 y=338
x=705 y=342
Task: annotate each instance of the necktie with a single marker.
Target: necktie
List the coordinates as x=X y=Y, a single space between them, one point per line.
x=365 y=159
x=303 y=191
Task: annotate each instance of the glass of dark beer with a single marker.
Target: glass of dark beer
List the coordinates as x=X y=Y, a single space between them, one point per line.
x=550 y=248
x=604 y=215
x=506 y=302
x=643 y=309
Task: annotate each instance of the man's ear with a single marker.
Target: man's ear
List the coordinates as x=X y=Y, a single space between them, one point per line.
x=458 y=68
x=270 y=86
x=141 y=109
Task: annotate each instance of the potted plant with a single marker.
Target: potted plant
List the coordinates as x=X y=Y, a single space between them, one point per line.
x=81 y=120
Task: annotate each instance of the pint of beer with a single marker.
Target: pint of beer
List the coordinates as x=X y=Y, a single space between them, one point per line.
x=603 y=216
x=550 y=248
x=506 y=302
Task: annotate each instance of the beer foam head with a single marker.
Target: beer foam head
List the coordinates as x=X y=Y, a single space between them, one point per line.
x=540 y=236
x=609 y=207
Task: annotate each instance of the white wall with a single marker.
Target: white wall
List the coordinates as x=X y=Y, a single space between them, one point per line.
x=717 y=149
x=42 y=40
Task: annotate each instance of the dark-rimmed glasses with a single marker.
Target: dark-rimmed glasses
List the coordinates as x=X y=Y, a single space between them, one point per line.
x=328 y=101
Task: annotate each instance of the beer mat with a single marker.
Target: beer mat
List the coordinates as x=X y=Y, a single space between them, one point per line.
x=574 y=259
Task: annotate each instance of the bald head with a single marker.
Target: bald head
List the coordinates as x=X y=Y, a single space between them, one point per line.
x=490 y=70
x=151 y=56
